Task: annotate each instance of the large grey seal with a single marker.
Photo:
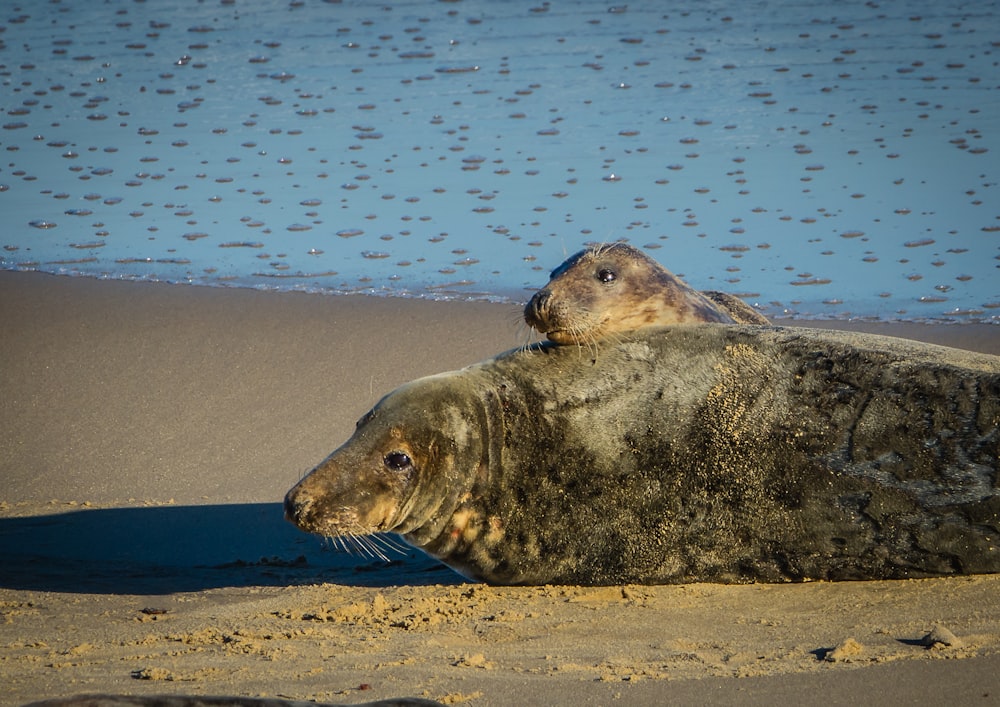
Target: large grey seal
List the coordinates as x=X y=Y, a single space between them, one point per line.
x=613 y=288
x=692 y=453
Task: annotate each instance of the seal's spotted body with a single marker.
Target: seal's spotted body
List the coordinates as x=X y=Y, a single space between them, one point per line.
x=710 y=453
x=612 y=289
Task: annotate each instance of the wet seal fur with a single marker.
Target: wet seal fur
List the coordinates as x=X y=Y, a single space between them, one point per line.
x=614 y=288
x=683 y=454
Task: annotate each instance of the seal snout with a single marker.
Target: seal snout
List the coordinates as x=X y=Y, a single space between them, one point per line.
x=536 y=311
x=296 y=507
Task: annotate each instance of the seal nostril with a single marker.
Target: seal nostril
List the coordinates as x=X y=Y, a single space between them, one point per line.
x=292 y=508
x=536 y=305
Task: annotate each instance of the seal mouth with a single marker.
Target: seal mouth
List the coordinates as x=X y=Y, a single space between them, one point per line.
x=584 y=335
x=344 y=530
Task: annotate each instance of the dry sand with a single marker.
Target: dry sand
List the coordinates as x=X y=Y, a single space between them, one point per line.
x=148 y=433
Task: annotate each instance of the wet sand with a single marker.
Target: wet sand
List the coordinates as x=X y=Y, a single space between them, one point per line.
x=148 y=433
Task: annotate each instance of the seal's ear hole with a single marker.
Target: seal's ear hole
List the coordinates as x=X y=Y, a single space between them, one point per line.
x=607 y=275
x=398 y=461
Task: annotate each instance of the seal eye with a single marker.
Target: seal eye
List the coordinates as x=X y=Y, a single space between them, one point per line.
x=398 y=461
x=606 y=275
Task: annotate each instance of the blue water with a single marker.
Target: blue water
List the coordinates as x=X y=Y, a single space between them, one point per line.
x=826 y=160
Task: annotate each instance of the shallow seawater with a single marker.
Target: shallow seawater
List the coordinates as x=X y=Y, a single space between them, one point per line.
x=823 y=160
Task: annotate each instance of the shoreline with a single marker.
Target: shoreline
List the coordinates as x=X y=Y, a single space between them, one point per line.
x=149 y=431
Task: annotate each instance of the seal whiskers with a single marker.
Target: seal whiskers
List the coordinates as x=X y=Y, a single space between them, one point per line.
x=360 y=542
x=524 y=333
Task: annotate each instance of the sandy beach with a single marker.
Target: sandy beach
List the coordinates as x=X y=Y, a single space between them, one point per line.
x=148 y=433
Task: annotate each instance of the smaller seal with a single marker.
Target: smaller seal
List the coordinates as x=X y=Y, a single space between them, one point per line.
x=616 y=288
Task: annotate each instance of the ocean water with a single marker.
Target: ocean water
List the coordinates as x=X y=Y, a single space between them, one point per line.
x=819 y=159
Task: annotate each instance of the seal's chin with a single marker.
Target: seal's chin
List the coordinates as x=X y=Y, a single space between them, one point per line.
x=343 y=522
x=560 y=336
x=581 y=336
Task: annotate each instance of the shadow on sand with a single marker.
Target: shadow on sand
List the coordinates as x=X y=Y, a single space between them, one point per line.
x=188 y=548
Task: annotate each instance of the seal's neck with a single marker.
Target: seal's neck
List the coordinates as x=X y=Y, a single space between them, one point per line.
x=444 y=507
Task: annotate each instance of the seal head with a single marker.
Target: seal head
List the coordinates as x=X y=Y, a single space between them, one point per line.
x=412 y=467
x=404 y=461
x=616 y=288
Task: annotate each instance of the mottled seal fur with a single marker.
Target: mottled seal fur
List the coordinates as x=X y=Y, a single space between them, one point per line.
x=680 y=454
x=614 y=288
